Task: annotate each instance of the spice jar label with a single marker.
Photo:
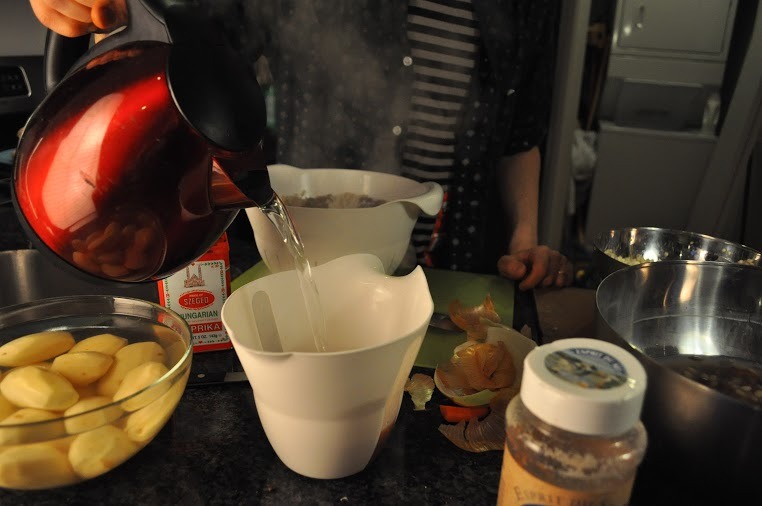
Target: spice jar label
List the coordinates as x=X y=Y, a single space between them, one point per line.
x=518 y=487
x=587 y=368
x=197 y=293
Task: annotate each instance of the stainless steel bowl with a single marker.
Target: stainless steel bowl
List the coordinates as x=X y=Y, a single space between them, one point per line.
x=28 y=276
x=661 y=310
x=617 y=249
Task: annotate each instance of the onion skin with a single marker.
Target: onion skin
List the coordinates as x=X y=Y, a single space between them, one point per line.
x=470 y=318
x=481 y=435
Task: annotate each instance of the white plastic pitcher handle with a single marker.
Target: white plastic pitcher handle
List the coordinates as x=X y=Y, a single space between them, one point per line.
x=264 y=319
x=430 y=201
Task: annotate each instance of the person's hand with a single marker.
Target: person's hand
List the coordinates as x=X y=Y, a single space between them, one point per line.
x=73 y=18
x=539 y=266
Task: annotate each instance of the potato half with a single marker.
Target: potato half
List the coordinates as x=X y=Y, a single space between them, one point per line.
x=33 y=348
x=33 y=387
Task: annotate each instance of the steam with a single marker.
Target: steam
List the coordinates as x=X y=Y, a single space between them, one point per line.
x=346 y=76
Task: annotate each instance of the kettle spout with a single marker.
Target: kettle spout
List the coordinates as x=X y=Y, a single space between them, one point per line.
x=225 y=194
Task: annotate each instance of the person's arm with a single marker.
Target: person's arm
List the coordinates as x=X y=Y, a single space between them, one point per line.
x=533 y=265
x=518 y=172
x=518 y=179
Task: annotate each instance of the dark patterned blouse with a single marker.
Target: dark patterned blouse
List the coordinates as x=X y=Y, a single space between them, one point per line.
x=344 y=76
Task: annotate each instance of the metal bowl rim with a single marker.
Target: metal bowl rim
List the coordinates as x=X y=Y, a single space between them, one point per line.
x=602 y=236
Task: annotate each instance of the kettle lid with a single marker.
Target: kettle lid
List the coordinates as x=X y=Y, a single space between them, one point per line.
x=212 y=86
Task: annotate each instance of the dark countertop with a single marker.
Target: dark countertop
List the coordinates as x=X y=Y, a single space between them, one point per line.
x=214 y=451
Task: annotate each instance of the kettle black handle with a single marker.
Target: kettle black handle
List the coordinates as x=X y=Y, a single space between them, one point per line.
x=145 y=21
x=213 y=88
x=60 y=54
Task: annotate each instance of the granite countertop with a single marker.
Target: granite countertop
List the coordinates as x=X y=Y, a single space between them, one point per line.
x=214 y=451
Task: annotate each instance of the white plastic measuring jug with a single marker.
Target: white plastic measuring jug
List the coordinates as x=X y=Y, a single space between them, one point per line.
x=326 y=414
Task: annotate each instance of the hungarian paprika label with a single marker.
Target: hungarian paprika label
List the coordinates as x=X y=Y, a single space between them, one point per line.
x=518 y=487
x=197 y=294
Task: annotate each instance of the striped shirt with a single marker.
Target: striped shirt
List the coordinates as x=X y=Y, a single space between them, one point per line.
x=344 y=74
x=444 y=42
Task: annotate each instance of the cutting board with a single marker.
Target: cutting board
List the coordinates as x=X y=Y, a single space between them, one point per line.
x=445 y=286
x=471 y=289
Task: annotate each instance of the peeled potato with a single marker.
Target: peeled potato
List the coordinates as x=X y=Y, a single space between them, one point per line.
x=127 y=359
x=34 y=348
x=175 y=352
x=62 y=444
x=139 y=378
x=6 y=408
x=88 y=421
x=32 y=387
x=11 y=434
x=97 y=451
x=86 y=391
x=165 y=335
x=42 y=365
x=142 y=425
x=102 y=343
x=35 y=466
x=83 y=367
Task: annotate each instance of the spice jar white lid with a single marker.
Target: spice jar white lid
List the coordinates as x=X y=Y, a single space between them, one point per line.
x=582 y=385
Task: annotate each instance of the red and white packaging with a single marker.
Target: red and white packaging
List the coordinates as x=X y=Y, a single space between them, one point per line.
x=198 y=292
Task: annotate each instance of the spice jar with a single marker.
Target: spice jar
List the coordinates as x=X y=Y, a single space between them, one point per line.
x=573 y=434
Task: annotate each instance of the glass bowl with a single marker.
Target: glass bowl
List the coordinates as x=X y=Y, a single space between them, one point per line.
x=85 y=383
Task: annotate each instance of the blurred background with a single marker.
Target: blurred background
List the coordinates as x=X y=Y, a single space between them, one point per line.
x=655 y=122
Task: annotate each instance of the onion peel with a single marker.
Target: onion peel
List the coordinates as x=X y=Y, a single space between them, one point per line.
x=484 y=435
x=462 y=398
x=420 y=387
x=487 y=366
x=452 y=377
x=468 y=318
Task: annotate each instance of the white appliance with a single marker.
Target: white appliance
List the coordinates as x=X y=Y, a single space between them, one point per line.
x=667 y=60
x=659 y=111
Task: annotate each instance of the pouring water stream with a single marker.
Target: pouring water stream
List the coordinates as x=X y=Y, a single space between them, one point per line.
x=276 y=212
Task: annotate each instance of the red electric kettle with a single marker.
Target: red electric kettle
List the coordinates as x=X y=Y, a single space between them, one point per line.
x=126 y=170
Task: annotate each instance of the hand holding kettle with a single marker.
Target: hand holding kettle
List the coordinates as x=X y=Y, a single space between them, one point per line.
x=73 y=18
x=126 y=170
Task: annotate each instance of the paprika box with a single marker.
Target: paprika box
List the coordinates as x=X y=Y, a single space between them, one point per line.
x=198 y=292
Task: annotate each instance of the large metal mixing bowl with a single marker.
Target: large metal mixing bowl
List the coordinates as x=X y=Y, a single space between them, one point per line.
x=663 y=309
x=620 y=248
x=28 y=276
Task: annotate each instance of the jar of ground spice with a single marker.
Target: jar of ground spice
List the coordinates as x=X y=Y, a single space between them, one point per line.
x=573 y=434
